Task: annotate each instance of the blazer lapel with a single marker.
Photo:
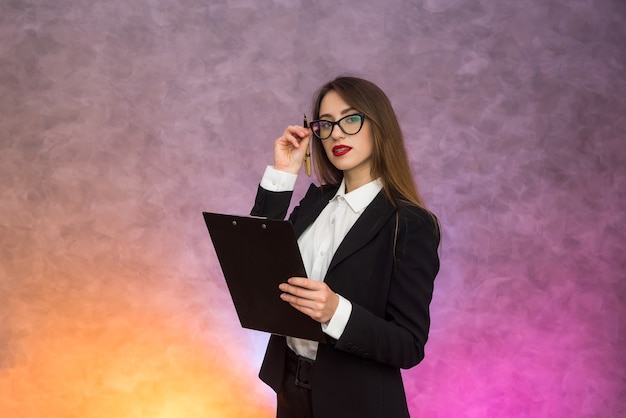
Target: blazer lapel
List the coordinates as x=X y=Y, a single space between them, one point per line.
x=368 y=225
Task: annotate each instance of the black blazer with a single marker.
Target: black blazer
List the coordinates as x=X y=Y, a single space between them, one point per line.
x=385 y=267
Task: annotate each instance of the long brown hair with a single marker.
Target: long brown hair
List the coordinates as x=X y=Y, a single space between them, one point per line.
x=389 y=159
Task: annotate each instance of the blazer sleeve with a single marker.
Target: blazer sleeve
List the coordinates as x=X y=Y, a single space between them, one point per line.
x=274 y=205
x=271 y=205
x=397 y=335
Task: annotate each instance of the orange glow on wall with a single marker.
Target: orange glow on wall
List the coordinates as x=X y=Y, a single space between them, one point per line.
x=90 y=353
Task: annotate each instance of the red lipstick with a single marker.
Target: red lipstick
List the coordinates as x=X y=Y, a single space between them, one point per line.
x=339 y=150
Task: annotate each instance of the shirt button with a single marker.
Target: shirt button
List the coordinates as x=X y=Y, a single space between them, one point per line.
x=332 y=221
x=322 y=253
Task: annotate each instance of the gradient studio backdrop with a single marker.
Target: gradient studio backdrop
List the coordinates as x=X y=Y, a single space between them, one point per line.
x=121 y=121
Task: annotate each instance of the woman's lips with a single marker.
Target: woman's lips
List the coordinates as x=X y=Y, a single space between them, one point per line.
x=339 y=150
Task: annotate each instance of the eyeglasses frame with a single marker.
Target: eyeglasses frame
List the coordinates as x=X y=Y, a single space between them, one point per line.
x=332 y=125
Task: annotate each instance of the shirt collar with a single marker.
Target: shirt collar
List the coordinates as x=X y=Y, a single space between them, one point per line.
x=359 y=199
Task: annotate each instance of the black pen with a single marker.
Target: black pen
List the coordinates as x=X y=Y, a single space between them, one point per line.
x=307 y=158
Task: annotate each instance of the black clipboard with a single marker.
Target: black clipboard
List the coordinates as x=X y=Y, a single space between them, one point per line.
x=256 y=255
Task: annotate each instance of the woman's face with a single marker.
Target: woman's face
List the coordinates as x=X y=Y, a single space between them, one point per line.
x=351 y=154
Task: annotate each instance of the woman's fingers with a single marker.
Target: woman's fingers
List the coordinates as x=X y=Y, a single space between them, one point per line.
x=311 y=297
x=290 y=149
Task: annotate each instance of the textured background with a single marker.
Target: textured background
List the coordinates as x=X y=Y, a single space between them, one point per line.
x=122 y=120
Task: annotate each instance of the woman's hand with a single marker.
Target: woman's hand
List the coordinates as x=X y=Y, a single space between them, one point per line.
x=310 y=297
x=290 y=149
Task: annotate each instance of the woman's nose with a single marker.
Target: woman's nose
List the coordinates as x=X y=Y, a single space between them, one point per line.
x=337 y=133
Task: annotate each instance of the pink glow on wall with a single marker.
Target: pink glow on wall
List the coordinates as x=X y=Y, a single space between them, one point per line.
x=123 y=120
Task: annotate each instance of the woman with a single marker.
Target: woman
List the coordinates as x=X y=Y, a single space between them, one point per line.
x=370 y=251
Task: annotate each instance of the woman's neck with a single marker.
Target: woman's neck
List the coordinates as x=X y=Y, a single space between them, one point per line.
x=355 y=180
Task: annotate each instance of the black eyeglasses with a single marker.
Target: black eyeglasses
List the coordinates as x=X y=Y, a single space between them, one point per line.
x=350 y=125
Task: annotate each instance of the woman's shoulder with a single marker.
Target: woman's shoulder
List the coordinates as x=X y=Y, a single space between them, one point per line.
x=411 y=210
x=418 y=215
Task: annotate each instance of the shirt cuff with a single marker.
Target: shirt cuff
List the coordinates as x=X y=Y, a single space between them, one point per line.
x=338 y=322
x=278 y=181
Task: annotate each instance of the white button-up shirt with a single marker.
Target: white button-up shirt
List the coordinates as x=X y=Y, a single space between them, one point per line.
x=319 y=242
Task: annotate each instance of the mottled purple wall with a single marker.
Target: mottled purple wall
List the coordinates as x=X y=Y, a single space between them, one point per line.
x=121 y=121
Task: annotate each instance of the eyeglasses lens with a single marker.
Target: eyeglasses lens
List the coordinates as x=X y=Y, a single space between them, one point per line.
x=351 y=124
x=322 y=128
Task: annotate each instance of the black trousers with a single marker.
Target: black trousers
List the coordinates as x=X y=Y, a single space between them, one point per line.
x=294 y=398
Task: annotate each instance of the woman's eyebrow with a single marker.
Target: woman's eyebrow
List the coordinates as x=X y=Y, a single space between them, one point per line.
x=343 y=112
